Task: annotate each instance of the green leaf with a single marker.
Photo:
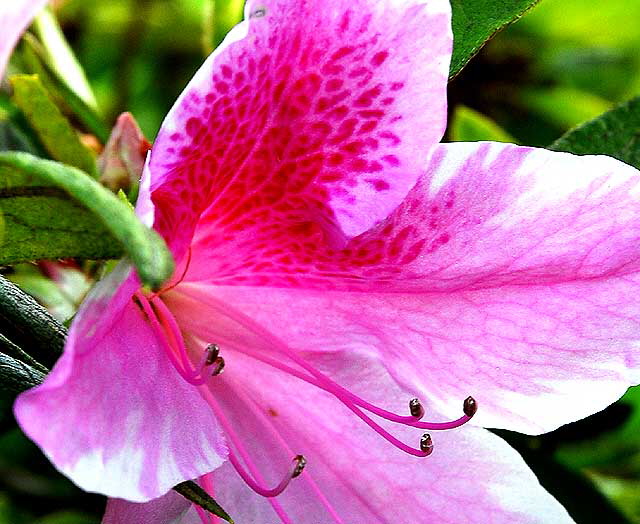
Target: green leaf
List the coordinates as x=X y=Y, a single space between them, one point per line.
x=191 y=491
x=16 y=376
x=61 y=57
x=476 y=21
x=53 y=129
x=615 y=133
x=145 y=247
x=468 y=125
x=28 y=325
x=564 y=106
x=41 y=222
x=36 y=60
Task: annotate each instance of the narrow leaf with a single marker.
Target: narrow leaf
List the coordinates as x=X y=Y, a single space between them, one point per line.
x=146 y=248
x=615 y=133
x=476 y=21
x=35 y=57
x=191 y=491
x=53 y=129
x=16 y=376
x=61 y=57
x=28 y=325
x=9 y=348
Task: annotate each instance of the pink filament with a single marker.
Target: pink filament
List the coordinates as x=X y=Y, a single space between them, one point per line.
x=249 y=479
x=169 y=336
x=320 y=380
x=307 y=477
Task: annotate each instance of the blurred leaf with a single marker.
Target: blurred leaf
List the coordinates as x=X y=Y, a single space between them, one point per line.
x=60 y=289
x=27 y=324
x=476 y=21
x=468 y=125
x=615 y=133
x=64 y=97
x=54 y=130
x=61 y=58
x=146 y=248
x=575 y=492
x=66 y=517
x=565 y=107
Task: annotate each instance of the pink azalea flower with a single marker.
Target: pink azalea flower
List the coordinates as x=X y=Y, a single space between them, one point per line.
x=340 y=262
x=15 y=17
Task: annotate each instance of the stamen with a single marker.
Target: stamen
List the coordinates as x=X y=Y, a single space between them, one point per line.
x=296 y=469
x=302 y=462
x=169 y=335
x=426 y=445
x=470 y=407
x=416 y=409
x=218 y=366
x=212 y=351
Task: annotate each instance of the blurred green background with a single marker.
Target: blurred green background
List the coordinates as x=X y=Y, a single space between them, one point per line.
x=563 y=63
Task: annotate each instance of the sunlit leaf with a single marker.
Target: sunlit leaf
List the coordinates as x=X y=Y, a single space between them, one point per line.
x=53 y=129
x=615 y=133
x=476 y=21
x=468 y=125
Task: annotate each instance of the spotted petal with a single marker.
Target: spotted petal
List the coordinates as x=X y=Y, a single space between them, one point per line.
x=310 y=111
x=113 y=415
x=509 y=274
x=352 y=474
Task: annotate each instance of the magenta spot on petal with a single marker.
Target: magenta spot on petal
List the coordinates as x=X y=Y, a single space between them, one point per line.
x=379 y=185
x=334 y=84
x=391 y=160
x=396 y=86
x=378 y=58
x=342 y=52
x=444 y=238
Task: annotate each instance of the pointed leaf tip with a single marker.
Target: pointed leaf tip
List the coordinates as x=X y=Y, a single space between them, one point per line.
x=193 y=492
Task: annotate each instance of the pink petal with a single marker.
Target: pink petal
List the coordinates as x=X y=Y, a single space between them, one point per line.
x=168 y=509
x=15 y=17
x=309 y=111
x=113 y=414
x=519 y=291
x=352 y=475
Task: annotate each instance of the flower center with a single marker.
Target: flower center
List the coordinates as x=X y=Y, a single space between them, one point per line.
x=210 y=364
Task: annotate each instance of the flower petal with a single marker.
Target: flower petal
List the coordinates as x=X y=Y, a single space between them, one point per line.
x=528 y=305
x=15 y=17
x=168 y=509
x=113 y=414
x=353 y=475
x=309 y=111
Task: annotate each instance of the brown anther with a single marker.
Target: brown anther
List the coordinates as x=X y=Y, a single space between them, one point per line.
x=218 y=368
x=426 y=444
x=301 y=462
x=415 y=408
x=213 y=350
x=470 y=407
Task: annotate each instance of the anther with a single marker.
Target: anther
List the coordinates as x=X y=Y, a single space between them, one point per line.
x=218 y=366
x=470 y=407
x=213 y=351
x=415 y=408
x=426 y=444
x=301 y=462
